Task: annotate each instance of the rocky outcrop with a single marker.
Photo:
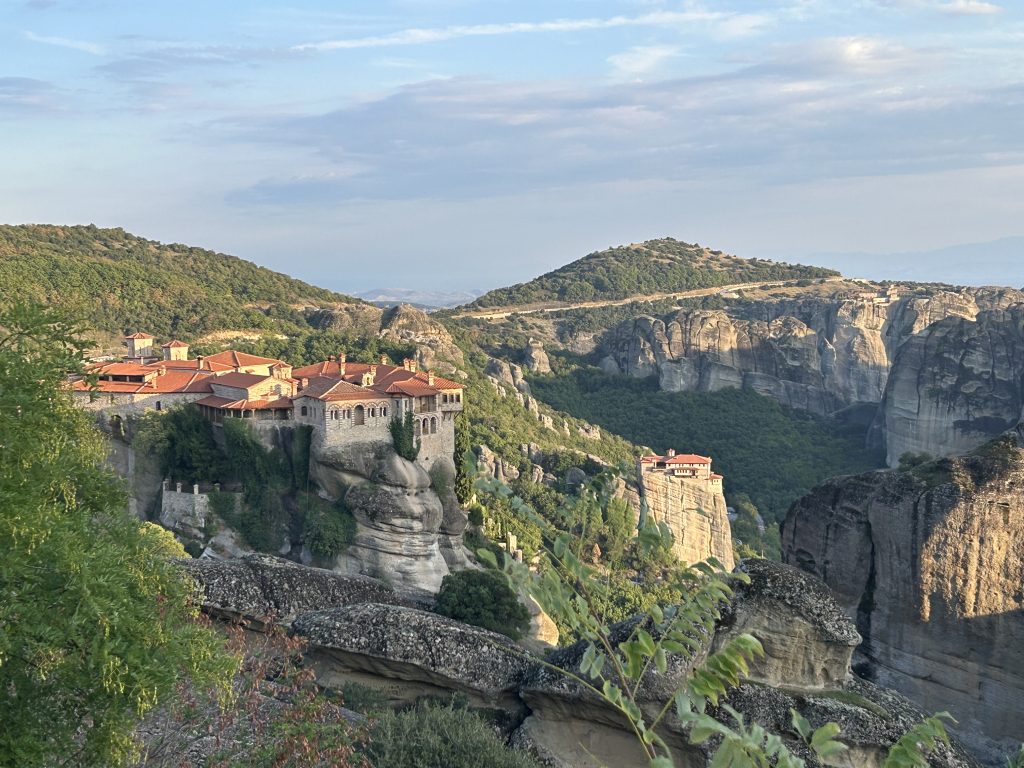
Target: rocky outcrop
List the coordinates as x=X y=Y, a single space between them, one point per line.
x=266 y=590
x=695 y=511
x=931 y=565
x=422 y=653
x=535 y=358
x=954 y=385
x=806 y=668
x=818 y=354
x=403 y=527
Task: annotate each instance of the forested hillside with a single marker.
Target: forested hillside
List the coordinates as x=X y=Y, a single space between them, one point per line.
x=655 y=266
x=119 y=282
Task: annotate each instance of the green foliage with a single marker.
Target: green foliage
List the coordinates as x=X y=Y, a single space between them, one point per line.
x=746 y=530
x=363 y=699
x=793 y=450
x=912 y=748
x=463 y=448
x=301 y=345
x=432 y=735
x=403 y=437
x=97 y=626
x=909 y=460
x=182 y=440
x=484 y=599
x=1016 y=760
x=119 y=282
x=656 y=266
x=265 y=477
x=328 y=528
x=616 y=659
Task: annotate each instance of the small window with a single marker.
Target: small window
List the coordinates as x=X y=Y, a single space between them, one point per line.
x=305 y=411
x=384 y=411
x=373 y=413
x=158 y=405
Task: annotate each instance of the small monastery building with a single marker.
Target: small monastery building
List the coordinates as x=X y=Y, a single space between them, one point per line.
x=343 y=402
x=688 y=466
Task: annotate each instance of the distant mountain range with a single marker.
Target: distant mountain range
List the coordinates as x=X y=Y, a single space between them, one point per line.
x=997 y=262
x=387 y=297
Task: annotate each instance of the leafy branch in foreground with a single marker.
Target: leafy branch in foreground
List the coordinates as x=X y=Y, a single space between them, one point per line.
x=619 y=661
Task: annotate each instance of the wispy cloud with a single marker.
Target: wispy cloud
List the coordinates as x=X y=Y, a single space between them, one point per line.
x=970 y=7
x=641 y=60
x=64 y=42
x=26 y=94
x=420 y=36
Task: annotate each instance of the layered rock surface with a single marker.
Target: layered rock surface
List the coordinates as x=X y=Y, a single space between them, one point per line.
x=954 y=385
x=819 y=354
x=931 y=565
x=695 y=511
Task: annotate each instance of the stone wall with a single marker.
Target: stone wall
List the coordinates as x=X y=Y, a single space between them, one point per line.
x=185 y=509
x=133 y=404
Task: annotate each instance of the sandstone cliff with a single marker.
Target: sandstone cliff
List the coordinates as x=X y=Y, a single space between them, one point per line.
x=931 y=564
x=954 y=385
x=695 y=511
x=816 y=353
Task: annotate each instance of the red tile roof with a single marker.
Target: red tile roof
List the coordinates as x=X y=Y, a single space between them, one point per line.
x=687 y=458
x=192 y=365
x=170 y=382
x=175 y=344
x=140 y=336
x=227 y=404
x=332 y=390
x=122 y=369
x=240 y=380
x=242 y=359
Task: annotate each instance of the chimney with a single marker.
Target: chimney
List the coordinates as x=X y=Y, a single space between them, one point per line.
x=342 y=357
x=341 y=368
x=383 y=359
x=161 y=371
x=405 y=363
x=303 y=382
x=199 y=362
x=671 y=452
x=430 y=378
x=412 y=366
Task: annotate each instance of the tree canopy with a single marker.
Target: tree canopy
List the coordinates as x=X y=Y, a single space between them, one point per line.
x=97 y=625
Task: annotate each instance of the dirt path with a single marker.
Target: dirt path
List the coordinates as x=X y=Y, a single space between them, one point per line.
x=500 y=313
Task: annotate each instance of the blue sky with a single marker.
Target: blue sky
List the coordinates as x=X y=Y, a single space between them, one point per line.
x=451 y=144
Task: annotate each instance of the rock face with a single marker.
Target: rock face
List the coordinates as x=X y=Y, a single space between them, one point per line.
x=535 y=358
x=819 y=354
x=695 y=511
x=931 y=564
x=268 y=589
x=403 y=525
x=954 y=385
x=424 y=651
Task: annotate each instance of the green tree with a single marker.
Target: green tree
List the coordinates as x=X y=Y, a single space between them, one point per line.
x=484 y=599
x=403 y=436
x=463 y=446
x=97 y=626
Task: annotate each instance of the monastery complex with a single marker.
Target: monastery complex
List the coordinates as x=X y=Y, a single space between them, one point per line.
x=687 y=466
x=343 y=402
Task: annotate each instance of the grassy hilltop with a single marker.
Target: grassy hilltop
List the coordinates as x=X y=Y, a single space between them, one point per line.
x=655 y=266
x=119 y=282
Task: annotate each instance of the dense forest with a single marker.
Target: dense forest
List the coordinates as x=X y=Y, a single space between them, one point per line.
x=656 y=266
x=771 y=453
x=119 y=282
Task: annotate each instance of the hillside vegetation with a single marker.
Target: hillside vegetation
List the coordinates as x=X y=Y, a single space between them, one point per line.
x=655 y=266
x=118 y=282
x=773 y=454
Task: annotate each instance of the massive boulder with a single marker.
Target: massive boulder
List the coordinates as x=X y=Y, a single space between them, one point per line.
x=955 y=385
x=930 y=563
x=402 y=524
x=410 y=653
x=695 y=511
x=535 y=358
x=268 y=590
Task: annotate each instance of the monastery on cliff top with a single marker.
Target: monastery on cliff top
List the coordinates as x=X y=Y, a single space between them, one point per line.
x=343 y=402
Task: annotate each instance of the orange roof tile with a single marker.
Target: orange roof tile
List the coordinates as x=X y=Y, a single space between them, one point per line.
x=227 y=404
x=175 y=344
x=171 y=382
x=687 y=458
x=240 y=380
x=140 y=336
x=241 y=359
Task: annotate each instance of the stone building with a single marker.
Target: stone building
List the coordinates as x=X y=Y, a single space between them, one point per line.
x=688 y=466
x=345 y=403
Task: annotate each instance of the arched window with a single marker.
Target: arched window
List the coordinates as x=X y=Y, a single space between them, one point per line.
x=373 y=413
x=305 y=411
x=360 y=416
x=334 y=414
x=433 y=425
x=416 y=429
x=426 y=427
x=384 y=411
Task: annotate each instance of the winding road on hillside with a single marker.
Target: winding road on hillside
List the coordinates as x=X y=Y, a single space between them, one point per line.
x=499 y=313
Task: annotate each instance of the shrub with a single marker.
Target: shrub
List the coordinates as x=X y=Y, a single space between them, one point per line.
x=433 y=735
x=328 y=528
x=406 y=445
x=484 y=599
